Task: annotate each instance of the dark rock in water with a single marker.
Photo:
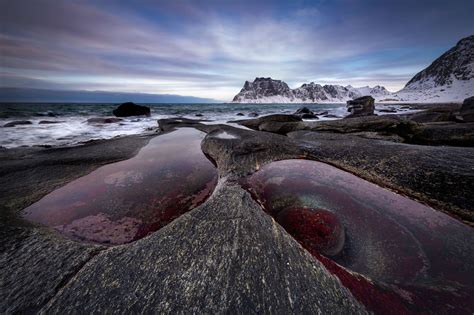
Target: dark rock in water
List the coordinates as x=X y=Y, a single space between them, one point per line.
x=46 y=122
x=239 y=114
x=303 y=110
x=388 y=110
x=467 y=109
x=318 y=229
x=98 y=120
x=321 y=113
x=17 y=122
x=131 y=109
x=362 y=106
x=331 y=116
x=305 y=113
x=198 y=115
x=309 y=116
x=253 y=114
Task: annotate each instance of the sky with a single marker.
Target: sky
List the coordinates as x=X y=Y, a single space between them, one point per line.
x=209 y=48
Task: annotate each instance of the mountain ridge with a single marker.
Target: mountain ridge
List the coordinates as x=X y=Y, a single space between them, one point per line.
x=449 y=78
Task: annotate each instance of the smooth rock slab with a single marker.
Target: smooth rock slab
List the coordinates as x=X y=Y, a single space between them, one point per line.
x=124 y=201
x=226 y=256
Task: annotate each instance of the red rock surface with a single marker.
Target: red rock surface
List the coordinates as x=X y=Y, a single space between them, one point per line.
x=317 y=229
x=399 y=256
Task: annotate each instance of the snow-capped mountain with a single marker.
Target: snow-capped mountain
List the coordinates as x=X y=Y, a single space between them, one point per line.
x=450 y=78
x=267 y=90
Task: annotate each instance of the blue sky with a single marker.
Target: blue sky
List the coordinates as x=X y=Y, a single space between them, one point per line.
x=209 y=48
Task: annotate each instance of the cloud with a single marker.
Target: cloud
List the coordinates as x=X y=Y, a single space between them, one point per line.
x=210 y=48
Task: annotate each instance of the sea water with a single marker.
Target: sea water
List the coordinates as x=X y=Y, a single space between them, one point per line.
x=70 y=119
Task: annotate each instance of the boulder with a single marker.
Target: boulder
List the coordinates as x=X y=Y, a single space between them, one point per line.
x=17 y=122
x=253 y=114
x=362 y=106
x=131 y=109
x=98 y=120
x=305 y=113
x=444 y=133
x=437 y=114
x=303 y=110
x=198 y=115
x=239 y=114
x=467 y=109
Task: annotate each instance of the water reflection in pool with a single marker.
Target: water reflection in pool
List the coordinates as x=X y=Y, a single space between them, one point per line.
x=125 y=201
x=418 y=255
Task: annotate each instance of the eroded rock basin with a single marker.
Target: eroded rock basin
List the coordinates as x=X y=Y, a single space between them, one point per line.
x=125 y=201
x=397 y=255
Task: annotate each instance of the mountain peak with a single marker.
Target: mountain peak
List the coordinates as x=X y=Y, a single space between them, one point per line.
x=457 y=64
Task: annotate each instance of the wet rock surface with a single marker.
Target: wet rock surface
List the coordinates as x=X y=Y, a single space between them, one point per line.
x=228 y=254
x=390 y=239
x=34 y=261
x=17 y=123
x=99 y=120
x=225 y=256
x=125 y=201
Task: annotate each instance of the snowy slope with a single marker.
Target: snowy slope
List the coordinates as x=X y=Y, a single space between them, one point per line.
x=450 y=78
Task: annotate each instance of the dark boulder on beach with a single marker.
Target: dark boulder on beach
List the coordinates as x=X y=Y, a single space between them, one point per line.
x=99 y=120
x=361 y=106
x=467 y=109
x=239 y=114
x=131 y=109
x=253 y=114
x=17 y=122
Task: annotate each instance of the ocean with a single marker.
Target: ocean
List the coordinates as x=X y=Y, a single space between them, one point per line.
x=71 y=127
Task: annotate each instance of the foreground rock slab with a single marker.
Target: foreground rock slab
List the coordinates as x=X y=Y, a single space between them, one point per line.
x=225 y=256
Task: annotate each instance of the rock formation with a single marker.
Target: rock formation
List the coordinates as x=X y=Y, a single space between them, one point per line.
x=131 y=109
x=268 y=90
x=449 y=78
x=362 y=106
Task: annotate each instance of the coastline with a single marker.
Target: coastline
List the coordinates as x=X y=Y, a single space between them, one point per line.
x=54 y=269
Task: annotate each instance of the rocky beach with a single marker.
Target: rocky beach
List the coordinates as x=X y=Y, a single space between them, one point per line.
x=400 y=201
x=237 y=157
